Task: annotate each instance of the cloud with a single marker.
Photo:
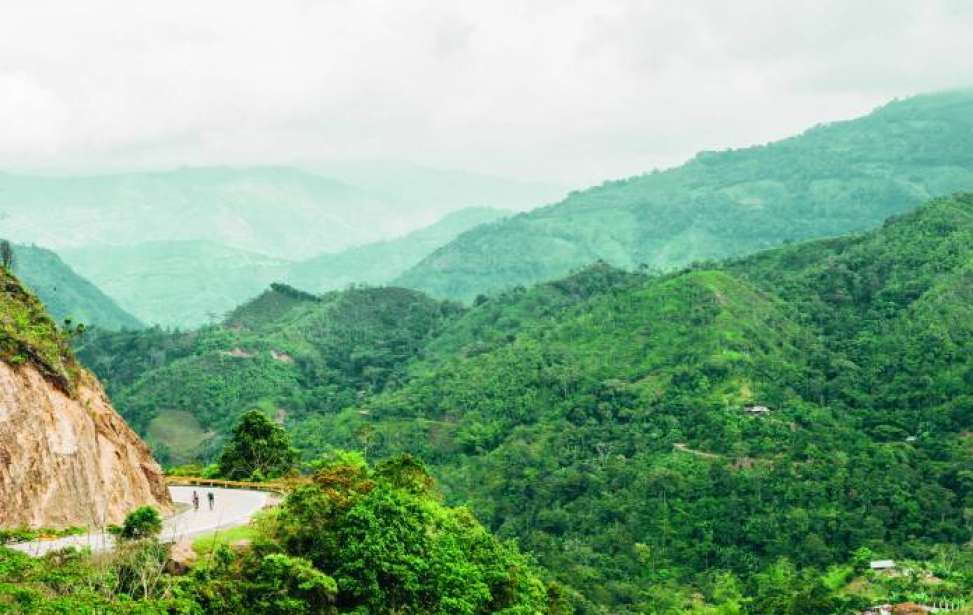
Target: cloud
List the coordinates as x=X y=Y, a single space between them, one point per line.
x=569 y=91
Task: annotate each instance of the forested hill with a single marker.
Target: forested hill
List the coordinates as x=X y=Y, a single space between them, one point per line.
x=723 y=437
x=612 y=437
x=66 y=294
x=289 y=352
x=833 y=179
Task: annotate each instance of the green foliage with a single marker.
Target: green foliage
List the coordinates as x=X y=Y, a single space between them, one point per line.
x=288 y=354
x=71 y=581
x=27 y=534
x=258 y=449
x=609 y=436
x=600 y=421
x=142 y=523
x=354 y=541
x=29 y=335
x=391 y=547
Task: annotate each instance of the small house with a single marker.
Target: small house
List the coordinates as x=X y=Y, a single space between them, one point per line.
x=882 y=565
x=756 y=410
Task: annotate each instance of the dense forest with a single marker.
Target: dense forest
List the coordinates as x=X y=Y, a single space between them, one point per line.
x=833 y=179
x=735 y=436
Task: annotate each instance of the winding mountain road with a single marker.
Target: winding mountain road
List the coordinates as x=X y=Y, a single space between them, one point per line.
x=232 y=508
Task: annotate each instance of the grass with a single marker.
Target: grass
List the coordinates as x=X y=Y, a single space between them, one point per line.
x=205 y=544
x=180 y=433
x=24 y=534
x=29 y=335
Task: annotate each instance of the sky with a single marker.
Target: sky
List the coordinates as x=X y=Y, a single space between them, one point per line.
x=555 y=91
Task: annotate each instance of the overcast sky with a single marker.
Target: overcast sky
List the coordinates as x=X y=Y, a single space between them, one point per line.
x=572 y=92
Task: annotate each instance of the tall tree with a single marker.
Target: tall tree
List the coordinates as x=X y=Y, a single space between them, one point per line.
x=259 y=448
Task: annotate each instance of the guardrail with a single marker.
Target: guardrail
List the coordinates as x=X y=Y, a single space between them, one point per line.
x=278 y=486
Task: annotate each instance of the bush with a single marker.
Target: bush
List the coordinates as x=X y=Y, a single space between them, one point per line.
x=143 y=522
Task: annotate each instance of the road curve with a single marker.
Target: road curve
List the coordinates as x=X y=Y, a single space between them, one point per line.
x=232 y=507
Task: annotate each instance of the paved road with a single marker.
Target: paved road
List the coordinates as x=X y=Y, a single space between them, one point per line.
x=232 y=507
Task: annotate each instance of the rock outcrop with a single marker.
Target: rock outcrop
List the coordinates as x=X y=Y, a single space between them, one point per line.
x=68 y=459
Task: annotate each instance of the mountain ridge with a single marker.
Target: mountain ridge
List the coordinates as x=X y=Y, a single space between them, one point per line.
x=832 y=179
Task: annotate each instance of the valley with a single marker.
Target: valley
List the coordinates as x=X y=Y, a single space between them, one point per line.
x=738 y=386
x=563 y=413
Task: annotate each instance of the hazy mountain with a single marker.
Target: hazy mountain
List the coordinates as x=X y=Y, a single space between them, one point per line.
x=379 y=262
x=438 y=190
x=833 y=179
x=188 y=283
x=277 y=211
x=65 y=294
x=177 y=283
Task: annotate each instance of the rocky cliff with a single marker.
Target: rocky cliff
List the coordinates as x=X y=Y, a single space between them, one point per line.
x=66 y=457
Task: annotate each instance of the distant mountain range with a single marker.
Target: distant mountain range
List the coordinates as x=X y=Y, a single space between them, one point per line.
x=379 y=262
x=833 y=179
x=192 y=282
x=282 y=212
x=177 y=283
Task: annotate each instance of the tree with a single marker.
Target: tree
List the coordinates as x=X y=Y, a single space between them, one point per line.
x=6 y=254
x=258 y=449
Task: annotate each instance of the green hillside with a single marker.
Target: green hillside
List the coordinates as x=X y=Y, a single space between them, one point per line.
x=380 y=262
x=177 y=283
x=288 y=352
x=728 y=436
x=613 y=442
x=66 y=294
x=833 y=179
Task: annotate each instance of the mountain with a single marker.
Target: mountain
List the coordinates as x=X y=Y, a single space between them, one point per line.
x=177 y=283
x=68 y=458
x=653 y=439
x=278 y=211
x=189 y=283
x=792 y=406
x=379 y=262
x=833 y=179
x=66 y=294
x=420 y=188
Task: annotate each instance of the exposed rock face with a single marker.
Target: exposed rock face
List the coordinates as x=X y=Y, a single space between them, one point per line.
x=69 y=460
